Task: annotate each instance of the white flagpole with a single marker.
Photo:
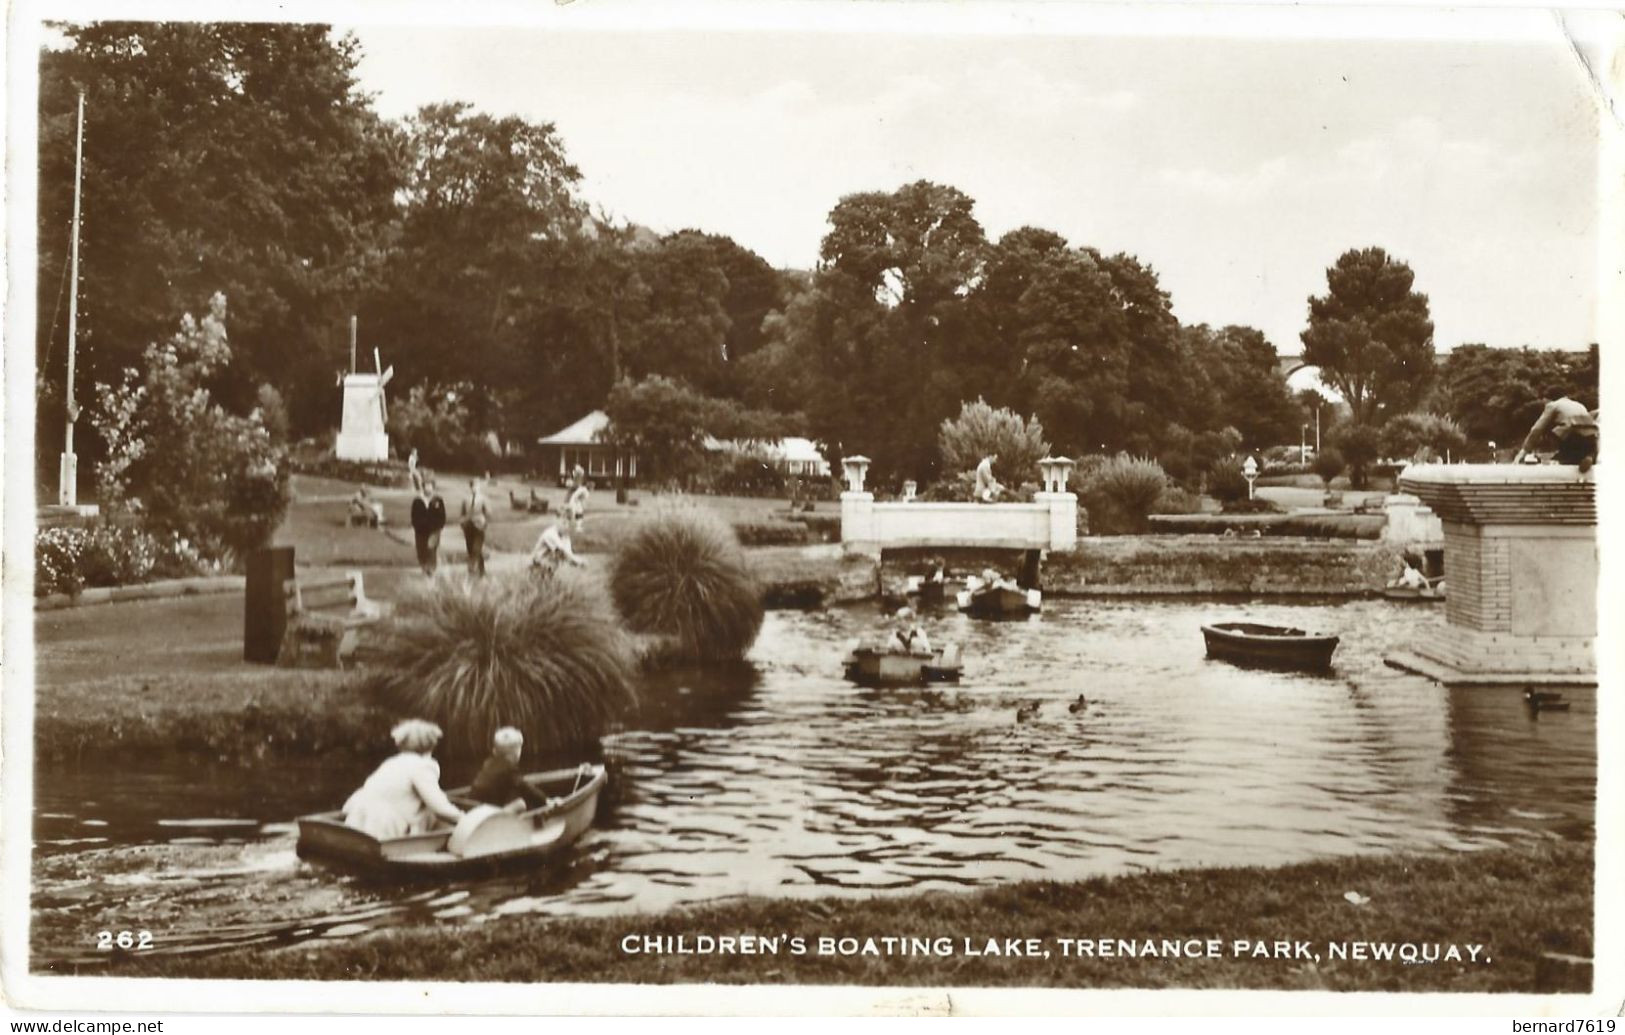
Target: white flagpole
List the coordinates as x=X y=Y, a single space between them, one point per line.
x=68 y=492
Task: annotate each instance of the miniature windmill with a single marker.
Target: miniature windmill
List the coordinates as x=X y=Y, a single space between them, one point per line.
x=363 y=435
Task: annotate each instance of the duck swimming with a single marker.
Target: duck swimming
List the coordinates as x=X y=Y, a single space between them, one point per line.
x=1026 y=711
x=1081 y=704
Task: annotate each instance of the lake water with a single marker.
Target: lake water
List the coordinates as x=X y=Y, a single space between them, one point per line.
x=779 y=778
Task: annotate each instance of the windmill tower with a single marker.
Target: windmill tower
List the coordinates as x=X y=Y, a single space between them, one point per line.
x=362 y=435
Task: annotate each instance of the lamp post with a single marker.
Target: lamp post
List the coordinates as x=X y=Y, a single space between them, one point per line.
x=1303 y=443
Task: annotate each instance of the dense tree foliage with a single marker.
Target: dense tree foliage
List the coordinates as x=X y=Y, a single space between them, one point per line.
x=1371 y=335
x=1496 y=394
x=242 y=158
x=229 y=158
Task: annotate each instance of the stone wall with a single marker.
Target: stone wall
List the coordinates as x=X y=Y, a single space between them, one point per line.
x=1128 y=565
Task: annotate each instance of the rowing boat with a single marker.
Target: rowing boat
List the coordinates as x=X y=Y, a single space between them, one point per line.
x=984 y=601
x=487 y=838
x=870 y=667
x=1268 y=646
x=1434 y=590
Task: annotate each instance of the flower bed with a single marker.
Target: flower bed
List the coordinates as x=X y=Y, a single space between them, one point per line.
x=72 y=558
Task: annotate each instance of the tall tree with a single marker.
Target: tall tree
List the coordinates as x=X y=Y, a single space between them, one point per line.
x=489 y=210
x=238 y=158
x=1371 y=335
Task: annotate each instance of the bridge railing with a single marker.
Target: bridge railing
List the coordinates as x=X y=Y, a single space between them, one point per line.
x=1049 y=522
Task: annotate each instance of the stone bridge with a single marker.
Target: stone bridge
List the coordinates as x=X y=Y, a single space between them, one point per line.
x=1049 y=522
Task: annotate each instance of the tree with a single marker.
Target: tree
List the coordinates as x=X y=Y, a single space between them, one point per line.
x=981 y=430
x=232 y=157
x=666 y=422
x=1359 y=445
x=1076 y=353
x=490 y=223
x=681 y=327
x=1371 y=335
x=176 y=458
x=917 y=247
x=1245 y=388
x=1496 y=394
x=1328 y=464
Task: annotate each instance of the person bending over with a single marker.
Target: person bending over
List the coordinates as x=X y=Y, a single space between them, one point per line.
x=1571 y=424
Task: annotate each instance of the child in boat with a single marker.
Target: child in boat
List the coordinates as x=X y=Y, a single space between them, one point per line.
x=499 y=782
x=907 y=637
x=402 y=797
x=1411 y=577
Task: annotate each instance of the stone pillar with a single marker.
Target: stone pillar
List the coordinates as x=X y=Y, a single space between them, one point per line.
x=858 y=523
x=1063 y=518
x=1410 y=521
x=1520 y=560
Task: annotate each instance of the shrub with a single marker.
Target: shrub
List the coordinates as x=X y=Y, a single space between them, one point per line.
x=1422 y=436
x=956 y=488
x=386 y=473
x=1359 y=445
x=1120 y=494
x=981 y=430
x=434 y=420
x=543 y=654
x=681 y=573
x=178 y=459
x=770 y=533
x=745 y=473
x=1250 y=506
x=1328 y=464
x=1175 y=500
x=1225 y=482
x=825 y=528
x=69 y=559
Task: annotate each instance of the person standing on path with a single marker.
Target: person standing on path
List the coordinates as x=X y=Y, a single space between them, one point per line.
x=428 y=518
x=577 y=506
x=476 y=516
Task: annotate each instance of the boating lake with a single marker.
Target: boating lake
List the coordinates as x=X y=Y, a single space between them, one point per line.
x=779 y=778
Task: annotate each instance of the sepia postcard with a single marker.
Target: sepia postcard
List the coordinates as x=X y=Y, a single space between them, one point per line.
x=884 y=508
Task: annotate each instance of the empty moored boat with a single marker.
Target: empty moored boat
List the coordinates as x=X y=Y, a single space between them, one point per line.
x=868 y=666
x=487 y=837
x=1268 y=646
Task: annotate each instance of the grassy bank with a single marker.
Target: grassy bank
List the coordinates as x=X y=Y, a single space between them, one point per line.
x=1514 y=903
x=254 y=713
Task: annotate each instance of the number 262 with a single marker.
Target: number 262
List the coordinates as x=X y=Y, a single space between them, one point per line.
x=106 y=940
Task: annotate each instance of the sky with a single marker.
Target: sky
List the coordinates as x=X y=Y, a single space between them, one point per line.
x=1238 y=167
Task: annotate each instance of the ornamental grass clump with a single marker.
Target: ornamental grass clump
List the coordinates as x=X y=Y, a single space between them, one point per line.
x=543 y=654
x=1121 y=494
x=681 y=574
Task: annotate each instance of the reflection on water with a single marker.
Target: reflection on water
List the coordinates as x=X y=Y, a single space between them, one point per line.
x=779 y=778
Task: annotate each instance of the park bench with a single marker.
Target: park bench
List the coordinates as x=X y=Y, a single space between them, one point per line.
x=325 y=616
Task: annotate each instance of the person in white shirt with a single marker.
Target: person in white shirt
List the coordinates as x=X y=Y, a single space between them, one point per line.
x=402 y=797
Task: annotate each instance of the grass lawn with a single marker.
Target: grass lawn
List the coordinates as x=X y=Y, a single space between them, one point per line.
x=1513 y=904
x=318 y=530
